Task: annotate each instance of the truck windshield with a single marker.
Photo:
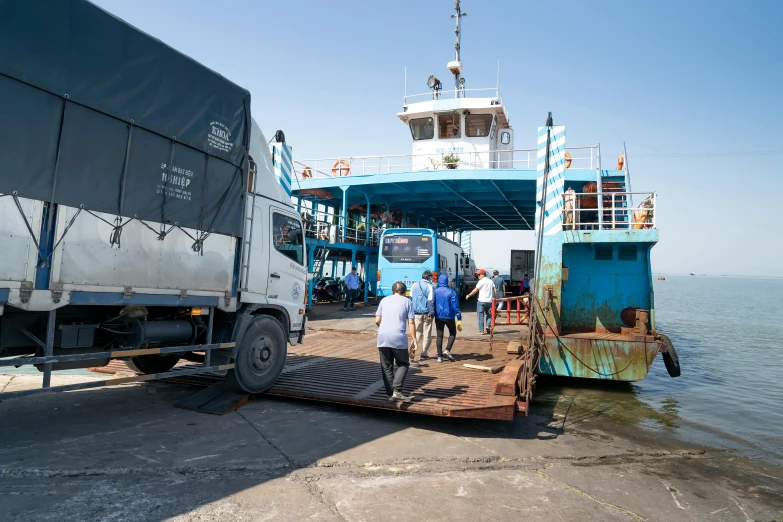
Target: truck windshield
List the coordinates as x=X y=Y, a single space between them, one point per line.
x=407 y=248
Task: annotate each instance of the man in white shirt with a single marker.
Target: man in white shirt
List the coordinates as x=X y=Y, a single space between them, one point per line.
x=394 y=314
x=486 y=291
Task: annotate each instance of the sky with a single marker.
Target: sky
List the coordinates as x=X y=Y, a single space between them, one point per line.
x=673 y=80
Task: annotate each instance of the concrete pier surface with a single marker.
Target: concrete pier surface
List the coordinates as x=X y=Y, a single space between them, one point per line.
x=125 y=453
x=587 y=452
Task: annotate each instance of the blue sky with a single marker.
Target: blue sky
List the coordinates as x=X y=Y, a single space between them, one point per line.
x=664 y=77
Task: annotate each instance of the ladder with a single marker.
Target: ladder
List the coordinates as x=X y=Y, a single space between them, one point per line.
x=247 y=239
x=318 y=263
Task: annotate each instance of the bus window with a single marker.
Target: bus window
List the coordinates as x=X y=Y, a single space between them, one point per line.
x=406 y=248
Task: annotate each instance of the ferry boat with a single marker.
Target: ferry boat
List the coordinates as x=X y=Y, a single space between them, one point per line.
x=593 y=299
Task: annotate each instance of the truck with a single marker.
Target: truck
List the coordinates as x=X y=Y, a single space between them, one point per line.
x=140 y=216
x=522 y=262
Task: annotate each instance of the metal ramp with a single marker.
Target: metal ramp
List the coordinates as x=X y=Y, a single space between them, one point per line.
x=343 y=368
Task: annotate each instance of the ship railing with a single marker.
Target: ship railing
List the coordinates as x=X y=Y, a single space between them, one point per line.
x=454 y=93
x=582 y=158
x=581 y=211
x=328 y=226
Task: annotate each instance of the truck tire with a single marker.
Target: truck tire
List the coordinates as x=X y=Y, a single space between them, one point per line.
x=670 y=358
x=147 y=364
x=260 y=357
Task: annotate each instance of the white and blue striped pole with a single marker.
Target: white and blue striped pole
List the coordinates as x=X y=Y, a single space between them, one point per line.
x=282 y=162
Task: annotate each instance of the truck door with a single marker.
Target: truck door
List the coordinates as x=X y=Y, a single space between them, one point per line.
x=287 y=271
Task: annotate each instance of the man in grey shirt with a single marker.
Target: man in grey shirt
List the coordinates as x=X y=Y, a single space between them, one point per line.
x=394 y=313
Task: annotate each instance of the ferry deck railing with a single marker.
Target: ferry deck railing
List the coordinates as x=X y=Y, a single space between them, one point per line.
x=582 y=158
x=582 y=212
x=487 y=92
x=328 y=226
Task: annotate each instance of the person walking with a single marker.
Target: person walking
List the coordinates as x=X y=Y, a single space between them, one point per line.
x=394 y=313
x=447 y=314
x=500 y=287
x=423 y=309
x=351 y=282
x=485 y=290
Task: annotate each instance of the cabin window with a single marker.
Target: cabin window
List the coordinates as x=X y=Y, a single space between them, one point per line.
x=423 y=128
x=287 y=235
x=449 y=126
x=505 y=138
x=478 y=125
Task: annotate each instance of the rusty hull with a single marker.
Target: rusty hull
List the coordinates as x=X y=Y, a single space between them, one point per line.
x=599 y=356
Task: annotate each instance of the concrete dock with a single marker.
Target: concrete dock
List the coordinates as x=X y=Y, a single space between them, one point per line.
x=125 y=453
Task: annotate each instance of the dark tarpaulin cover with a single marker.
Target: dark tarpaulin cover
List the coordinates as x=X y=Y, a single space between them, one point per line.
x=114 y=100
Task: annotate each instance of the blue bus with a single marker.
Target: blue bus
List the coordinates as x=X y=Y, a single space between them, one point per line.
x=405 y=253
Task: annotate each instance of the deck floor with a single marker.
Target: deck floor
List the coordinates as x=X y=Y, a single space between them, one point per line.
x=344 y=367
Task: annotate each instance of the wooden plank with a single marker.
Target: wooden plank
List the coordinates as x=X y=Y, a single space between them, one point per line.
x=490 y=369
x=507 y=384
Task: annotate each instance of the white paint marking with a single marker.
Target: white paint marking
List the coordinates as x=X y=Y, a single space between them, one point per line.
x=672 y=490
x=718 y=511
x=199 y=458
x=146 y=458
x=747 y=518
x=461 y=492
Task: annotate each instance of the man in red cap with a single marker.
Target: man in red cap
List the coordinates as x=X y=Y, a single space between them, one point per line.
x=486 y=291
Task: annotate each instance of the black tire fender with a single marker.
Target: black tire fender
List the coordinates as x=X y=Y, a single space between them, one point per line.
x=670 y=358
x=260 y=355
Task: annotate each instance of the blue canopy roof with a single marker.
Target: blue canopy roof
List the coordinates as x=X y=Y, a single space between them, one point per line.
x=462 y=199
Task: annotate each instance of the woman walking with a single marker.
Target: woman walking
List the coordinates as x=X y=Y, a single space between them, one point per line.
x=447 y=314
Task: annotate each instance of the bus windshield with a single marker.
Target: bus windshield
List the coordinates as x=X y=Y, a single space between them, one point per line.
x=407 y=248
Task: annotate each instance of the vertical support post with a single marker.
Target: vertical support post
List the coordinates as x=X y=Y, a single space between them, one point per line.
x=344 y=213
x=49 y=348
x=310 y=261
x=334 y=267
x=519 y=311
x=210 y=325
x=367 y=275
x=367 y=225
x=493 y=313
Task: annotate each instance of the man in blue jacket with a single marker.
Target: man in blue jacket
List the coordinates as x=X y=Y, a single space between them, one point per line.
x=447 y=314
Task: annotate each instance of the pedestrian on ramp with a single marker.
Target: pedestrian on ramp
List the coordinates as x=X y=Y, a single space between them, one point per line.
x=424 y=311
x=394 y=313
x=447 y=314
x=486 y=291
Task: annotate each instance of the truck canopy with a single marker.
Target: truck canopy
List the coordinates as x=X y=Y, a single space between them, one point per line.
x=96 y=113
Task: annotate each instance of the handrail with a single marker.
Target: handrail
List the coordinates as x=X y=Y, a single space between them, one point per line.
x=581 y=211
x=582 y=158
x=454 y=93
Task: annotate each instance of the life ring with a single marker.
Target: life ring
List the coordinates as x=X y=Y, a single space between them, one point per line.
x=306 y=172
x=567 y=160
x=620 y=162
x=341 y=168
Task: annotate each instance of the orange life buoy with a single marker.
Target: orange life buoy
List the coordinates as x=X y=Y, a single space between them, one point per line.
x=341 y=168
x=306 y=172
x=620 y=162
x=567 y=160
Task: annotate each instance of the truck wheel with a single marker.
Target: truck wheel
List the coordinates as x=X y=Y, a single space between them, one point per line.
x=152 y=363
x=261 y=356
x=670 y=358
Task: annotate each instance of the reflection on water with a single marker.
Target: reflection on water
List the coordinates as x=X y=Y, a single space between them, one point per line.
x=580 y=399
x=729 y=394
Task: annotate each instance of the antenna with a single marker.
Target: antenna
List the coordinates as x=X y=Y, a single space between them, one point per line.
x=455 y=67
x=405 y=87
x=497 y=81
